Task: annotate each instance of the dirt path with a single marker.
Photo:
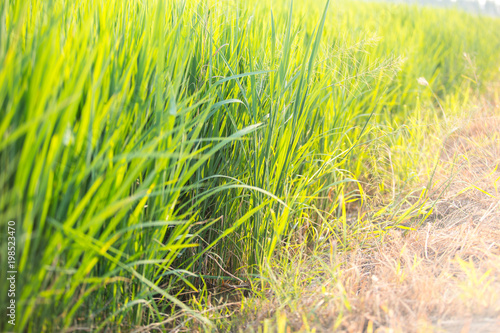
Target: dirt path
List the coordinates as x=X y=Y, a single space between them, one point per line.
x=445 y=276
x=442 y=277
x=464 y=239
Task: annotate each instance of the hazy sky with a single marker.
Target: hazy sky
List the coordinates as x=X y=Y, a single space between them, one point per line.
x=482 y=2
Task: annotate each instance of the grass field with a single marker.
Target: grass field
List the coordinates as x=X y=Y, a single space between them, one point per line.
x=153 y=151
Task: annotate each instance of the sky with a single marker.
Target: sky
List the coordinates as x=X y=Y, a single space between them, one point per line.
x=482 y=2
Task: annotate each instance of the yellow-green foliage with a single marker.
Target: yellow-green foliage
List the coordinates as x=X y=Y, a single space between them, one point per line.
x=145 y=144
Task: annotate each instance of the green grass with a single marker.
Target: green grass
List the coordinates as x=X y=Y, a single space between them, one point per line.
x=145 y=145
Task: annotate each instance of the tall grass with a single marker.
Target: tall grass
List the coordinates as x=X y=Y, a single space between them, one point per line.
x=148 y=146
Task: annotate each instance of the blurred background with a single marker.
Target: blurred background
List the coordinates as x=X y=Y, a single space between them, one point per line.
x=488 y=7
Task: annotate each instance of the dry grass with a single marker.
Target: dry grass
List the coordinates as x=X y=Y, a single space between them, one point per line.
x=444 y=276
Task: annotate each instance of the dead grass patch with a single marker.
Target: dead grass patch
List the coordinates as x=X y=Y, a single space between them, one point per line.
x=443 y=276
